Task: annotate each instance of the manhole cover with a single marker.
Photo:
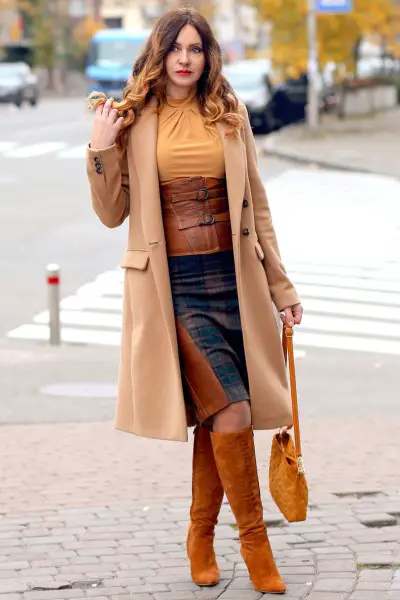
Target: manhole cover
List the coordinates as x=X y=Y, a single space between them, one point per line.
x=83 y=389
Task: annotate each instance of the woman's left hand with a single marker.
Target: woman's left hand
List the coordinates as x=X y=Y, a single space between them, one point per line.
x=292 y=315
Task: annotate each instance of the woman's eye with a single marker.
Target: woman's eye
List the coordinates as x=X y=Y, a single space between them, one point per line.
x=197 y=50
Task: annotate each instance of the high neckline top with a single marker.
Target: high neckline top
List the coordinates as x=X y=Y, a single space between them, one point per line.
x=185 y=146
x=189 y=101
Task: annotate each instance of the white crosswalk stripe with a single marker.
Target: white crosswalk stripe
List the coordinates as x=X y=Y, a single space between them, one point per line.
x=74 y=152
x=35 y=150
x=349 y=285
x=58 y=150
x=7 y=146
x=92 y=316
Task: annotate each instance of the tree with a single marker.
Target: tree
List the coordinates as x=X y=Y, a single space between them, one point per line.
x=338 y=35
x=57 y=39
x=81 y=36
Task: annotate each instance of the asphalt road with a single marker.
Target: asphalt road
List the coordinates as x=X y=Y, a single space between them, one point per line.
x=46 y=216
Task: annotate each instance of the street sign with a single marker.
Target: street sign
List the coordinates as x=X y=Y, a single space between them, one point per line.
x=334 y=6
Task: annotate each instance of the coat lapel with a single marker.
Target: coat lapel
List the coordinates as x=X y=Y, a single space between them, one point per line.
x=144 y=149
x=144 y=146
x=235 y=175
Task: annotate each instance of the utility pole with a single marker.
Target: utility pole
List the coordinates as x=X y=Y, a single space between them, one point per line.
x=333 y=7
x=312 y=69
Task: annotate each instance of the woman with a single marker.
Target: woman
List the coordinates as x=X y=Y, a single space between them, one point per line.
x=177 y=155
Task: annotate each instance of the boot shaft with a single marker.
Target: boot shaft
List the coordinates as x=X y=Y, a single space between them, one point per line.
x=236 y=461
x=207 y=489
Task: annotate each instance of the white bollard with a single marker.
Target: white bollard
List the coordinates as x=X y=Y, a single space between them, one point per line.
x=53 y=283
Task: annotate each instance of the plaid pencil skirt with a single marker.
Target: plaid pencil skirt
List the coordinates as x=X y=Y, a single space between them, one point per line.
x=209 y=332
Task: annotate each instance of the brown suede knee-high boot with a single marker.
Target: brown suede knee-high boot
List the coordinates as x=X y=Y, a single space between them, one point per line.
x=207 y=496
x=236 y=461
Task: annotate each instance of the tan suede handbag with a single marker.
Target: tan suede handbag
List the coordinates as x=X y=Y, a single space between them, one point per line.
x=287 y=481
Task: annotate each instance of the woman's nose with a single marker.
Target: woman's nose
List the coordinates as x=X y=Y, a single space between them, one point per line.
x=184 y=57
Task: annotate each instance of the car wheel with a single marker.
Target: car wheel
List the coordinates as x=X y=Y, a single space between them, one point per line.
x=18 y=101
x=264 y=128
x=270 y=122
x=261 y=124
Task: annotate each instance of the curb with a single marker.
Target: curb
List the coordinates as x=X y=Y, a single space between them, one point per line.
x=270 y=149
x=326 y=164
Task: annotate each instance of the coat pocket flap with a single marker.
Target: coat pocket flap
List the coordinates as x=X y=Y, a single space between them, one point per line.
x=135 y=259
x=259 y=251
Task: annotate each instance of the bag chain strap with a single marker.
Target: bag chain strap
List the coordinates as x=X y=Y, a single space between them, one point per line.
x=287 y=346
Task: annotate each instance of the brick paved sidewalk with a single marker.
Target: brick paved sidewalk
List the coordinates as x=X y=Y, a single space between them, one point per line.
x=363 y=144
x=89 y=512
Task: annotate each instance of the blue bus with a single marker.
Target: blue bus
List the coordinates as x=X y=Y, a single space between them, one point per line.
x=111 y=55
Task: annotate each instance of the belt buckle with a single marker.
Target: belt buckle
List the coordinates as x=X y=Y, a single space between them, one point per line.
x=203 y=220
x=205 y=197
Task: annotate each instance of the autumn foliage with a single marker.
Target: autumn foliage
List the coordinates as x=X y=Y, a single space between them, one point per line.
x=338 y=35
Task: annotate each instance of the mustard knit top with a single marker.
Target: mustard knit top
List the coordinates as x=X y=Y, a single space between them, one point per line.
x=185 y=148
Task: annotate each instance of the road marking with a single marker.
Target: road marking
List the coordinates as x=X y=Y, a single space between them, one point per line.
x=86 y=318
x=60 y=150
x=351 y=309
x=35 y=150
x=75 y=152
x=7 y=146
x=96 y=303
x=365 y=284
x=384 y=272
x=387 y=329
x=369 y=296
x=340 y=342
x=69 y=335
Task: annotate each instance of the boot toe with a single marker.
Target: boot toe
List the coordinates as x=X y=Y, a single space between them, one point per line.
x=270 y=586
x=203 y=565
x=206 y=578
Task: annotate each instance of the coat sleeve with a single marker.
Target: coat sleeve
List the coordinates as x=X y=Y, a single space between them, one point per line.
x=282 y=290
x=108 y=175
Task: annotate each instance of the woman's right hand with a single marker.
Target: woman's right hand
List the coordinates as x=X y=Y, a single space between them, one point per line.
x=106 y=126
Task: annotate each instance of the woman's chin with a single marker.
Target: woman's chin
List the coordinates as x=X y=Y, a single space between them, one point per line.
x=183 y=83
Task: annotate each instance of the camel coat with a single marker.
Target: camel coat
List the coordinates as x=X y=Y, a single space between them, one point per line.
x=150 y=401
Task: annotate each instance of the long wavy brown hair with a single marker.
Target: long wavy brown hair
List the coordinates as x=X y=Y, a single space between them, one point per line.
x=217 y=100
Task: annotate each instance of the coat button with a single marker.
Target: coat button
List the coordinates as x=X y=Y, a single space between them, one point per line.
x=245 y=203
x=246 y=231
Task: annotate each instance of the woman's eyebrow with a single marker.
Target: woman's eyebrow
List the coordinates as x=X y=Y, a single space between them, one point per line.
x=190 y=45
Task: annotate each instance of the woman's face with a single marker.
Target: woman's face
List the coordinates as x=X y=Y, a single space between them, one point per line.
x=185 y=62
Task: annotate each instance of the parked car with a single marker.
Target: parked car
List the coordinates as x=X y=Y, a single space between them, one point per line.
x=250 y=81
x=289 y=101
x=270 y=106
x=18 y=84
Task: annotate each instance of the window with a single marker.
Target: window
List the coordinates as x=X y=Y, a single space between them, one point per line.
x=113 y=22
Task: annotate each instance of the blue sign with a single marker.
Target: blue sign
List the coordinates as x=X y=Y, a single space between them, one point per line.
x=334 y=6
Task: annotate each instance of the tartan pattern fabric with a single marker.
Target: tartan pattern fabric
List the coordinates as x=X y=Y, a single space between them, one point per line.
x=206 y=304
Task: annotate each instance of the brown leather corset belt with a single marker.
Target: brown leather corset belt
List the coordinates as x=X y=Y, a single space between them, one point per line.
x=196 y=216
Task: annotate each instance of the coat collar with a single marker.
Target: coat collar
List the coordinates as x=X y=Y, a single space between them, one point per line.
x=144 y=149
